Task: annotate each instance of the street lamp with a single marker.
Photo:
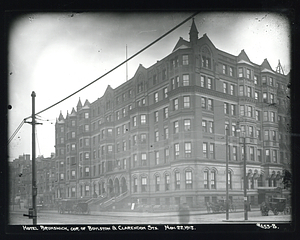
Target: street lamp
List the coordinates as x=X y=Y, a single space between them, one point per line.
x=245 y=177
x=227 y=190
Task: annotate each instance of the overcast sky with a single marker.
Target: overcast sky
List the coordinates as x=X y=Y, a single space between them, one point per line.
x=55 y=54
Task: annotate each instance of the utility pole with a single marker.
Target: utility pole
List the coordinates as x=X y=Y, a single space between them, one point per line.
x=245 y=182
x=227 y=194
x=34 y=188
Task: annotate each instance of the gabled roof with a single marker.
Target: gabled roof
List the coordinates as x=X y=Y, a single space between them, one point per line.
x=73 y=113
x=266 y=67
x=243 y=58
x=86 y=104
x=181 y=44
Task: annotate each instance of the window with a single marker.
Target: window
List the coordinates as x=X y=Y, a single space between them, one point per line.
x=226 y=109
x=202 y=81
x=210 y=104
x=259 y=155
x=251 y=149
x=206 y=58
x=175 y=104
x=271 y=81
x=187 y=124
x=205 y=150
x=188 y=149
x=272 y=98
x=123 y=112
x=234 y=153
x=157 y=183
x=185 y=59
x=204 y=126
x=143 y=138
x=210 y=126
x=176 y=150
x=242 y=110
x=212 y=150
x=118 y=115
x=87 y=172
x=251 y=133
x=166 y=112
x=266 y=135
x=224 y=69
x=109 y=149
x=118 y=130
x=167 y=182
x=177 y=180
x=165 y=92
x=233 y=130
x=135 y=185
x=86 y=128
x=143 y=119
x=258 y=134
x=134 y=140
x=257 y=115
x=232 y=90
x=185 y=80
x=231 y=71
x=176 y=127
x=248 y=73
x=134 y=121
x=209 y=83
x=256 y=96
x=255 y=80
x=86 y=115
x=240 y=72
x=273 y=135
x=213 y=179
x=265 y=98
x=188 y=180
x=144 y=159
x=265 y=116
x=73 y=147
x=144 y=184
x=205 y=180
x=267 y=155
x=203 y=102
x=156 y=97
x=249 y=94
x=124 y=163
x=176 y=82
x=249 y=111
x=229 y=180
x=186 y=101
x=272 y=116
x=166 y=131
x=233 y=109
x=156 y=136
x=225 y=87
x=124 y=128
x=156 y=154
x=241 y=90
x=124 y=146
x=227 y=129
x=167 y=153
x=156 y=116
x=135 y=161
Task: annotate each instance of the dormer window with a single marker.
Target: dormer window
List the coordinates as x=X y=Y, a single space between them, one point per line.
x=206 y=58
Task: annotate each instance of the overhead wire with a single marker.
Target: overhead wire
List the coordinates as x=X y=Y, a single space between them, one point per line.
x=16 y=131
x=134 y=55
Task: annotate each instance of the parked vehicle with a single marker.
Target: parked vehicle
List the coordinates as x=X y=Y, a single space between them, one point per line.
x=276 y=205
x=81 y=208
x=219 y=206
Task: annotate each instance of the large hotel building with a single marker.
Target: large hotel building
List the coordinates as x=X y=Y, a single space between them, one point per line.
x=162 y=137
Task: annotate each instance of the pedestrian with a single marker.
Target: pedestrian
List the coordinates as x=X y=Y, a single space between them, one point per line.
x=184 y=214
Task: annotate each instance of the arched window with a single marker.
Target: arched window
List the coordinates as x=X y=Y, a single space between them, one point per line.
x=206 y=58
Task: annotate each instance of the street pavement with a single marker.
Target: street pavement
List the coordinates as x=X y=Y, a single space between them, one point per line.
x=113 y=217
